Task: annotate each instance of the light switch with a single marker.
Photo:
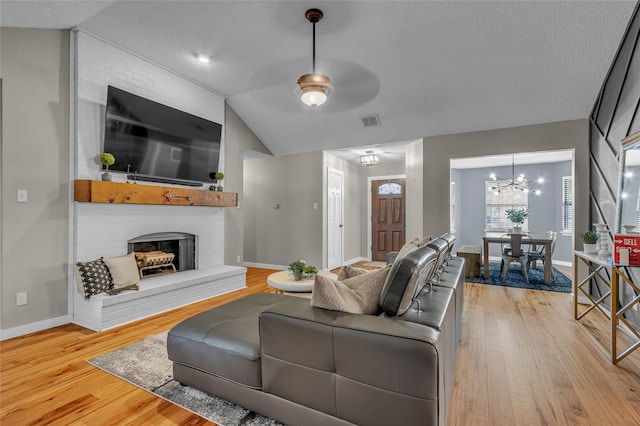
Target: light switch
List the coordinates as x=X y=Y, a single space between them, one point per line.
x=22 y=195
x=315 y=206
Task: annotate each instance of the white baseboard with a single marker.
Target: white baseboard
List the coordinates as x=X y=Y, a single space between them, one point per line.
x=34 y=327
x=265 y=266
x=356 y=260
x=285 y=267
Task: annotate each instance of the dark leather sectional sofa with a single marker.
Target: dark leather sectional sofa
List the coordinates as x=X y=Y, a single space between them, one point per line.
x=300 y=365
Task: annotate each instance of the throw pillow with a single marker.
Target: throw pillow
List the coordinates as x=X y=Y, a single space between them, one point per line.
x=412 y=245
x=93 y=278
x=124 y=272
x=356 y=295
x=350 y=271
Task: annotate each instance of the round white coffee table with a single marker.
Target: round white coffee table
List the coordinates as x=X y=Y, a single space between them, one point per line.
x=282 y=282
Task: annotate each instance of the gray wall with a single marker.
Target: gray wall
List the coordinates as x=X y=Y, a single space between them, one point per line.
x=545 y=210
x=294 y=230
x=438 y=150
x=615 y=116
x=238 y=138
x=415 y=189
x=35 y=157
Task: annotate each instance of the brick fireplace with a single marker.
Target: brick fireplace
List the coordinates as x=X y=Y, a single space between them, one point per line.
x=106 y=229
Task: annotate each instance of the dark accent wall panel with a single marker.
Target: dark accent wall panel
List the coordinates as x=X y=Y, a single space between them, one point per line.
x=613 y=118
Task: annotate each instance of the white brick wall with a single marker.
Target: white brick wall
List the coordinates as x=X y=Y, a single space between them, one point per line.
x=104 y=229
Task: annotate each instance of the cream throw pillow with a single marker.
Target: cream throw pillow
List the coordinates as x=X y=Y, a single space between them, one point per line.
x=412 y=245
x=124 y=272
x=356 y=295
x=350 y=272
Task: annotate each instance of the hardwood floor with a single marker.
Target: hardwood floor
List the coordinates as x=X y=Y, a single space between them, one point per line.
x=522 y=360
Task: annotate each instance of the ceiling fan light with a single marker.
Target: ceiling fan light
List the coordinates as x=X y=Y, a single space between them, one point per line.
x=314 y=89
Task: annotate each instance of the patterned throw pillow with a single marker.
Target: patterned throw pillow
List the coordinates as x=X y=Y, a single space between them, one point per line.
x=93 y=278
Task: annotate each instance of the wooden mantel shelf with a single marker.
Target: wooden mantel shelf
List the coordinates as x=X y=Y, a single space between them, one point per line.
x=97 y=191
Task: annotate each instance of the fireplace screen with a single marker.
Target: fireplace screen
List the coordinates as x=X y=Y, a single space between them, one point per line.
x=164 y=252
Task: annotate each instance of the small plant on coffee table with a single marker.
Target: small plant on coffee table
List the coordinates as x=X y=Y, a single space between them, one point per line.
x=297 y=268
x=310 y=271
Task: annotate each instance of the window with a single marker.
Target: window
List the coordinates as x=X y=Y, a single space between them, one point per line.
x=567 y=204
x=496 y=204
x=452 y=207
x=390 y=188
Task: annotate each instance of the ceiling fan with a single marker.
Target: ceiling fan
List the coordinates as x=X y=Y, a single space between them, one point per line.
x=314 y=86
x=349 y=85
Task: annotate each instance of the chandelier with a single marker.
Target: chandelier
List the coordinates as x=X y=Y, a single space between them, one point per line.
x=519 y=183
x=314 y=86
x=369 y=159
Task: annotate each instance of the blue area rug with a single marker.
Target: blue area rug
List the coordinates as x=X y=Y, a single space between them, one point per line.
x=516 y=279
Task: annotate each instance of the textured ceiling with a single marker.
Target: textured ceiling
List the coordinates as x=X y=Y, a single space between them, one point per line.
x=426 y=68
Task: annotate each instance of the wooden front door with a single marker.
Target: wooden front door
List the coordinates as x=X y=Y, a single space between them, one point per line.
x=388 y=214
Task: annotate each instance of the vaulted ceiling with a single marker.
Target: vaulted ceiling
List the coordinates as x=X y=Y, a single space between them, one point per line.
x=425 y=68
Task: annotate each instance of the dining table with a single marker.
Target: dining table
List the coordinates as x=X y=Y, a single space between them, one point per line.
x=536 y=240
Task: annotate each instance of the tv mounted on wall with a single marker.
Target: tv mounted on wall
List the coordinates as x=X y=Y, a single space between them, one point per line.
x=154 y=142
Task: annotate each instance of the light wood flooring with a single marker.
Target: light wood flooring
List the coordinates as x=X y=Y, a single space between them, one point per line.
x=522 y=360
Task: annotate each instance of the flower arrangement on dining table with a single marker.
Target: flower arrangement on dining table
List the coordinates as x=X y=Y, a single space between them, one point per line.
x=517 y=217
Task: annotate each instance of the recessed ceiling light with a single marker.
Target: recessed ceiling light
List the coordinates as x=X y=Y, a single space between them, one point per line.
x=204 y=58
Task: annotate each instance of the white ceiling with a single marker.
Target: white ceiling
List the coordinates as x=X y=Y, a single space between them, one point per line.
x=425 y=68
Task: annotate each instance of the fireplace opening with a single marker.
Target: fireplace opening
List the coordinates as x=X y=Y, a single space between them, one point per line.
x=164 y=252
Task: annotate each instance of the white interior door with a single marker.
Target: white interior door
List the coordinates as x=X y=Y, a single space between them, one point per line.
x=335 y=212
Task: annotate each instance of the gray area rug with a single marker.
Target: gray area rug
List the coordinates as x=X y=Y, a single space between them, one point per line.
x=145 y=364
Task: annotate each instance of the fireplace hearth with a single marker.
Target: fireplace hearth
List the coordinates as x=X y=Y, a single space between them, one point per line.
x=179 y=250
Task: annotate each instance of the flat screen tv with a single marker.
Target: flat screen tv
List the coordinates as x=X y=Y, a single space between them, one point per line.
x=155 y=142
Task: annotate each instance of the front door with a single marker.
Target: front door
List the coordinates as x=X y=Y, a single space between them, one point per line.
x=388 y=216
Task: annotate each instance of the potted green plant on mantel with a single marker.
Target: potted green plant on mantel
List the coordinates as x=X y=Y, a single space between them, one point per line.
x=219 y=176
x=590 y=241
x=517 y=217
x=107 y=159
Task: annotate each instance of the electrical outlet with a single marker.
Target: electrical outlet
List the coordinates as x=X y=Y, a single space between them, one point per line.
x=21 y=195
x=21 y=298
x=237 y=259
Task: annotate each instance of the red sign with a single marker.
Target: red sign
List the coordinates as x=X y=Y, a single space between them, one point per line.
x=626 y=250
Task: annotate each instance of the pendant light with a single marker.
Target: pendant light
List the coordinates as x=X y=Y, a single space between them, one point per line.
x=369 y=159
x=519 y=183
x=314 y=86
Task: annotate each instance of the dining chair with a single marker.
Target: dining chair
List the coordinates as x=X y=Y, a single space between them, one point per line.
x=540 y=254
x=519 y=245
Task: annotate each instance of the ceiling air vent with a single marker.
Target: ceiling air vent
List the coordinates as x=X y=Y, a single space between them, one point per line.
x=370 y=120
